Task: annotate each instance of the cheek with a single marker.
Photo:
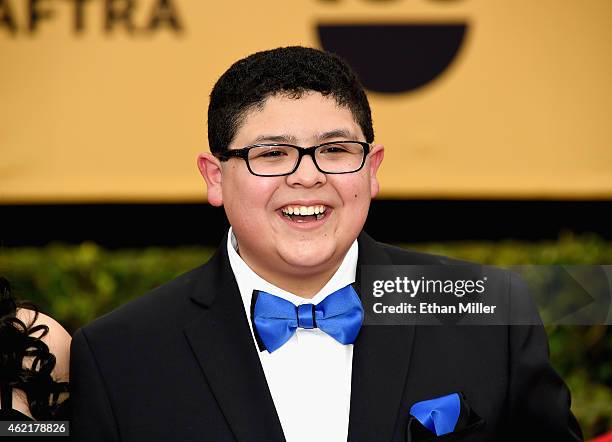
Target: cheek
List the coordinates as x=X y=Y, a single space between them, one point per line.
x=355 y=192
x=248 y=198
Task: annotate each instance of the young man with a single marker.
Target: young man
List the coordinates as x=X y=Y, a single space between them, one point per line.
x=264 y=342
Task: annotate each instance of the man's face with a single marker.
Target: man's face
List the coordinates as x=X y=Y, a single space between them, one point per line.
x=270 y=242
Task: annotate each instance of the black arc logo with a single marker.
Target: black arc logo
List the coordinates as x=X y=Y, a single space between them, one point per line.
x=394 y=58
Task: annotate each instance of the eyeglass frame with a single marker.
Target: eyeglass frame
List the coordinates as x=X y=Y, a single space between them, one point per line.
x=302 y=151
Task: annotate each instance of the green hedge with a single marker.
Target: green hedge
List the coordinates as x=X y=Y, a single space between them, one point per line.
x=76 y=284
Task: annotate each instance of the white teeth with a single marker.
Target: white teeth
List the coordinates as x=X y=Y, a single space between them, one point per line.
x=304 y=210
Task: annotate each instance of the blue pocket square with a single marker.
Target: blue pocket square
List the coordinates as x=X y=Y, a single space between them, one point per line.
x=433 y=418
x=438 y=415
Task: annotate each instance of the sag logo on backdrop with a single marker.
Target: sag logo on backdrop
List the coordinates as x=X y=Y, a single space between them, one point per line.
x=391 y=57
x=394 y=57
x=116 y=14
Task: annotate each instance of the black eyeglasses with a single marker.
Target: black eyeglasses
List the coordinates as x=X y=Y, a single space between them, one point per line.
x=276 y=159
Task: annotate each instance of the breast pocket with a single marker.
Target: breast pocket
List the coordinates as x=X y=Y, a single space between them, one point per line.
x=473 y=433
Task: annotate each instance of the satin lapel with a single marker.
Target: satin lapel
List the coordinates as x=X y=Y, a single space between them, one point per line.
x=381 y=356
x=222 y=343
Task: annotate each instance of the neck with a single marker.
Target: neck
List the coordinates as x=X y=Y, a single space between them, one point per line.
x=304 y=284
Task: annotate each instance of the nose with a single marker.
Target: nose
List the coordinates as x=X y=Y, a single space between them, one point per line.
x=306 y=174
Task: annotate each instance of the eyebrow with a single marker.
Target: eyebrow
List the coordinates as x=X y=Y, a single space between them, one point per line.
x=275 y=139
x=290 y=139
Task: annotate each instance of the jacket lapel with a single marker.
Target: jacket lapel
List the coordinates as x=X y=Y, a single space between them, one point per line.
x=381 y=356
x=221 y=341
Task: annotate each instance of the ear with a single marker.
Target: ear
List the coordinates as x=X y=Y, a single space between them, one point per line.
x=210 y=169
x=377 y=153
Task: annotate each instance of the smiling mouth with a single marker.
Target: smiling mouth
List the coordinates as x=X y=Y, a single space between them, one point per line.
x=303 y=214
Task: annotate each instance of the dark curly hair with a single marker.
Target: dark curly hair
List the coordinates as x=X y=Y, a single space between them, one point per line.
x=293 y=70
x=18 y=342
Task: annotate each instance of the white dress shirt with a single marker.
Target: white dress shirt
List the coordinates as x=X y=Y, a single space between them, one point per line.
x=309 y=377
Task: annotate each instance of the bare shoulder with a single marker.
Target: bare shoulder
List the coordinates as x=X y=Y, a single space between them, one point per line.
x=57 y=339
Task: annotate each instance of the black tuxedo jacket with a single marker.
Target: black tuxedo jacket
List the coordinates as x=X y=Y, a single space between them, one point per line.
x=179 y=364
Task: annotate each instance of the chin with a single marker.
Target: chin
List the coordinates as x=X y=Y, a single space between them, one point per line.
x=305 y=256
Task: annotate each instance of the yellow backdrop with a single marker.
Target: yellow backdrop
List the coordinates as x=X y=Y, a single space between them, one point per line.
x=105 y=100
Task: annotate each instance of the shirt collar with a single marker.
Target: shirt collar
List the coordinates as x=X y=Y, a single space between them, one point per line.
x=248 y=280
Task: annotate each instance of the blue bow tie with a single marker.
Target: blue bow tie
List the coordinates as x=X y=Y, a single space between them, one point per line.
x=275 y=319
